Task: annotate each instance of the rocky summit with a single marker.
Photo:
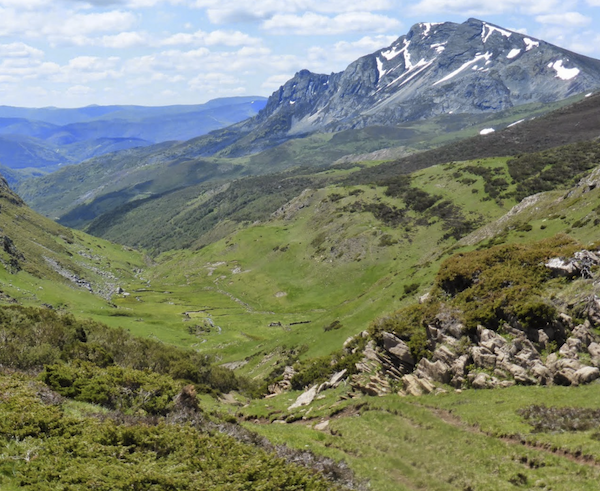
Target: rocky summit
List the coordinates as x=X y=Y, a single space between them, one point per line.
x=435 y=69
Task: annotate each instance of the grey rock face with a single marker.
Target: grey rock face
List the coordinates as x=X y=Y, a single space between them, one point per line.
x=434 y=69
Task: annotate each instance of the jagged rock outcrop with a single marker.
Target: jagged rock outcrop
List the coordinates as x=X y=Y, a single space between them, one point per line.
x=488 y=359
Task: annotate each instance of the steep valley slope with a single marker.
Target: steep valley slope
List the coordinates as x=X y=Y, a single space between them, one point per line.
x=431 y=322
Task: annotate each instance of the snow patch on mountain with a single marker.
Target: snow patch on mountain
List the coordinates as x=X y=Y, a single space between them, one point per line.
x=413 y=71
x=485 y=56
x=487 y=131
x=515 y=123
x=530 y=43
x=562 y=72
x=427 y=27
x=439 y=47
x=391 y=53
x=490 y=30
x=380 y=69
x=513 y=53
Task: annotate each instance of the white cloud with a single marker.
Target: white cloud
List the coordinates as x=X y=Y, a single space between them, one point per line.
x=25 y=4
x=61 y=26
x=20 y=50
x=337 y=57
x=315 y=24
x=79 y=90
x=86 y=69
x=213 y=80
x=125 y=40
x=223 y=11
x=490 y=7
x=214 y=38
x=566 y=19
x=275 y=81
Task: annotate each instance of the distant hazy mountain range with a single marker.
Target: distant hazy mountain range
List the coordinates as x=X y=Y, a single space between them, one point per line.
x=42 y=140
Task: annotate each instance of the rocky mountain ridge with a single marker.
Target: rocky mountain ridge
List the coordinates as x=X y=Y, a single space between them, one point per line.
x=434 y=69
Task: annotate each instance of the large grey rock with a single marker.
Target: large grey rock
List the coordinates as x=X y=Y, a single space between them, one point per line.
x=415 y=386
x=491 y=341
x=586 y=375
x=483 y=357
x=519 y=373
x=398 y=348
x=593 y=311
x=570 y=348
x=334 y=381
x=304 y=399
x=438 y=371
x=542 y=373
x=567 y=364
x=594 y=350
x=459 y=366
x=584 y=334
x=562 y=267
x=372 y=385
x=370 y=351
x=445 y=354
x=483 y=381
x=566 y=377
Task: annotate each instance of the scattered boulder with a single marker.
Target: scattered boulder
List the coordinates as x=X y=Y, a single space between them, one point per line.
x=322 y=426
x=335 y=380
x=594 y=350
x=586 y=375
x=482 y=381
x=482 y=357
x=373 y=385
x=285 y=384
x=542 y=373
x=305 y=399
x=579 y=265
x=444 y=354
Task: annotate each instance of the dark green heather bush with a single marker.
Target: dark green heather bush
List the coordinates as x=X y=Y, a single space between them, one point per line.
x=34 y=337
x=560 y=419
x=45 y=449
x=494 y=285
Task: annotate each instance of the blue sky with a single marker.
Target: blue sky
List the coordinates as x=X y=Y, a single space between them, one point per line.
x=71 y=53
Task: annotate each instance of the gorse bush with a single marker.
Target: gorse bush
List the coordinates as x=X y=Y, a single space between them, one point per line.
x=552 y=169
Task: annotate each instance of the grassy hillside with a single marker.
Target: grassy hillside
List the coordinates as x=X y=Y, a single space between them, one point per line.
x=114 y=185
x=278 y=280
